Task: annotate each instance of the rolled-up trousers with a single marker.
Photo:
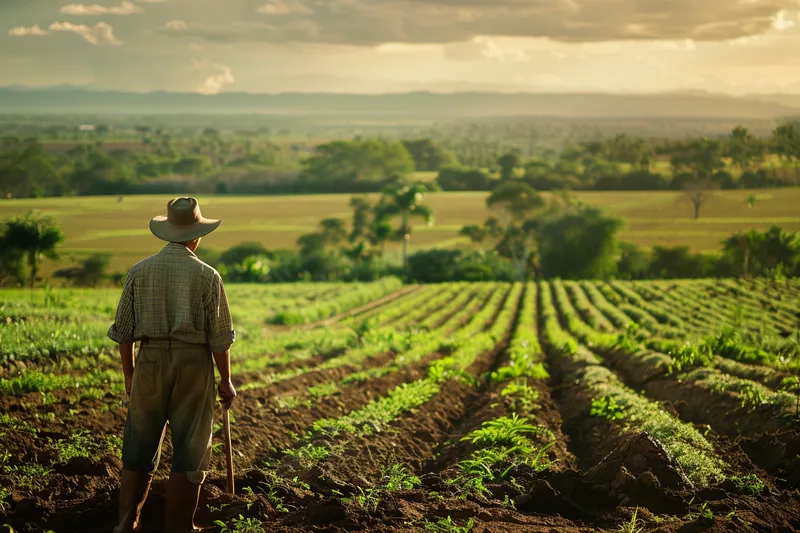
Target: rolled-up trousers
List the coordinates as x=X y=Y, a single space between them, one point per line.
x=172 y=381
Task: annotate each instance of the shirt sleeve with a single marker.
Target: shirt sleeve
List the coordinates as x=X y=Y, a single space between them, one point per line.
x=121 y=330
x=219 y=325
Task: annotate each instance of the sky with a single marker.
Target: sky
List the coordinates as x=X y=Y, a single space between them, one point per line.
x=377 y=46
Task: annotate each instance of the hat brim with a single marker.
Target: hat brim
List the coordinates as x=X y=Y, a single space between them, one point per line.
x=162 y=229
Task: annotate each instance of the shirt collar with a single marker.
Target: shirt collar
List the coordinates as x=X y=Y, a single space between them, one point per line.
x=177 y=248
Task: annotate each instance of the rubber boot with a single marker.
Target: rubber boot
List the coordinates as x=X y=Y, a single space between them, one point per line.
x=132 y=495
x=182 y=499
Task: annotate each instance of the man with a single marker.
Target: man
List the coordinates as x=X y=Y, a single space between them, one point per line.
x=176 y=306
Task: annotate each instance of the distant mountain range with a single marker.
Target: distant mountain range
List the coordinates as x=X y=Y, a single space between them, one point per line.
x=689 y=104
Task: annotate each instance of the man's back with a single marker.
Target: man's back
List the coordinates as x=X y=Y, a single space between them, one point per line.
x=173 y=294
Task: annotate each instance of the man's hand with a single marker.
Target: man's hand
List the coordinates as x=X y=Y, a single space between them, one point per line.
x=126 y=355
x=226 y=393
x=128 y=383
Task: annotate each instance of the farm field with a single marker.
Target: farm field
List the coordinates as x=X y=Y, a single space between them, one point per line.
x=101 y=224
x=550 y=406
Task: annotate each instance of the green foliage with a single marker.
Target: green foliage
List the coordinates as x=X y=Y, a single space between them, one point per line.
x=360 y=295
x=524 y=396
x=89 y=273
x=504 y=431
x=446 y=525
x=632 y=525
x=688 y=356
x=608 y=408
x=324 y=389
x=507 y=441
x=4 y=495
x=241 y=525
x=368 y=499
x=578 y=242
x=33 y=236
x=749 y=484
x=312 y=453
x=397 y=477
x=367 y=160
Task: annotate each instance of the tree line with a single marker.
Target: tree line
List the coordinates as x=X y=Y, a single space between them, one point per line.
x=213 y=163
x=525 y=238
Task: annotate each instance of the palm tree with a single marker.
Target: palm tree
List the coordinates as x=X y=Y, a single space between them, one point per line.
x=35 y=236
x=745 y=246
x=404 y=201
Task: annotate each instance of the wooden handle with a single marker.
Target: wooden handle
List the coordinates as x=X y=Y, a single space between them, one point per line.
x=226 y=422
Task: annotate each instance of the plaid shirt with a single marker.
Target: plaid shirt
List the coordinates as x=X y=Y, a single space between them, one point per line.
x=173 y=294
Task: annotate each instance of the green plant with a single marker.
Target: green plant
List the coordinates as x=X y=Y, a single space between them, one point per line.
x=397 y=477
x=78 y=444
x=504 y=431
x=792 y=385
x=703 y=514
x=687 y=356
x=4 y=494
x=749 y=484
x=368 y=499
x=752 y=395
x=524 y=396
x=608 y=408
x=270 y=491
x=323 y=389
x=446 y=525
x=310 y=452
x=241 y=525
x=632 y=525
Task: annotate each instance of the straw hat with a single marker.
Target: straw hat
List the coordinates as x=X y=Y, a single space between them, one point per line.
x=183 y=222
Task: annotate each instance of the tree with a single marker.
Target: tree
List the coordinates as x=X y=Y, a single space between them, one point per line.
x=780 y=250
x=698 y=192
x=333 y=231
x=742 y=148
x=361 y=211
x=516 y=202
x=235 y=255
x=508 y=163
x=475 y=233
x=786 y=143
x=428 y=155
x=463 y=179
x=35 y=236
x=370 y=160
x=742 y=247
x=679 y=262
x=89 y=273
x=578 y=242
x=633 y=261
x=404 y=201
x=12 y=269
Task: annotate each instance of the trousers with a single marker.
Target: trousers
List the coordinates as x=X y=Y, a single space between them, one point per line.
x=173 y=382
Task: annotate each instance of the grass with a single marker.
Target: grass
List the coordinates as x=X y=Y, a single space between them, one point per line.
x=99 y=224
x=446 y=525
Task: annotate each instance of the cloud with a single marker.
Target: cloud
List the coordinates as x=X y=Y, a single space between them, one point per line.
x=125 y=8
x=374 y=22
x=782 y=22
x=23 y=31
x=284 y=7
x=214 y=83
x=99 y=34
x=176 y=25
x=486 y=48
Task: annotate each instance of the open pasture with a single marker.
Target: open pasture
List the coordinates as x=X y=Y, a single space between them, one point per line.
x=101 y=224
x=657 y=406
